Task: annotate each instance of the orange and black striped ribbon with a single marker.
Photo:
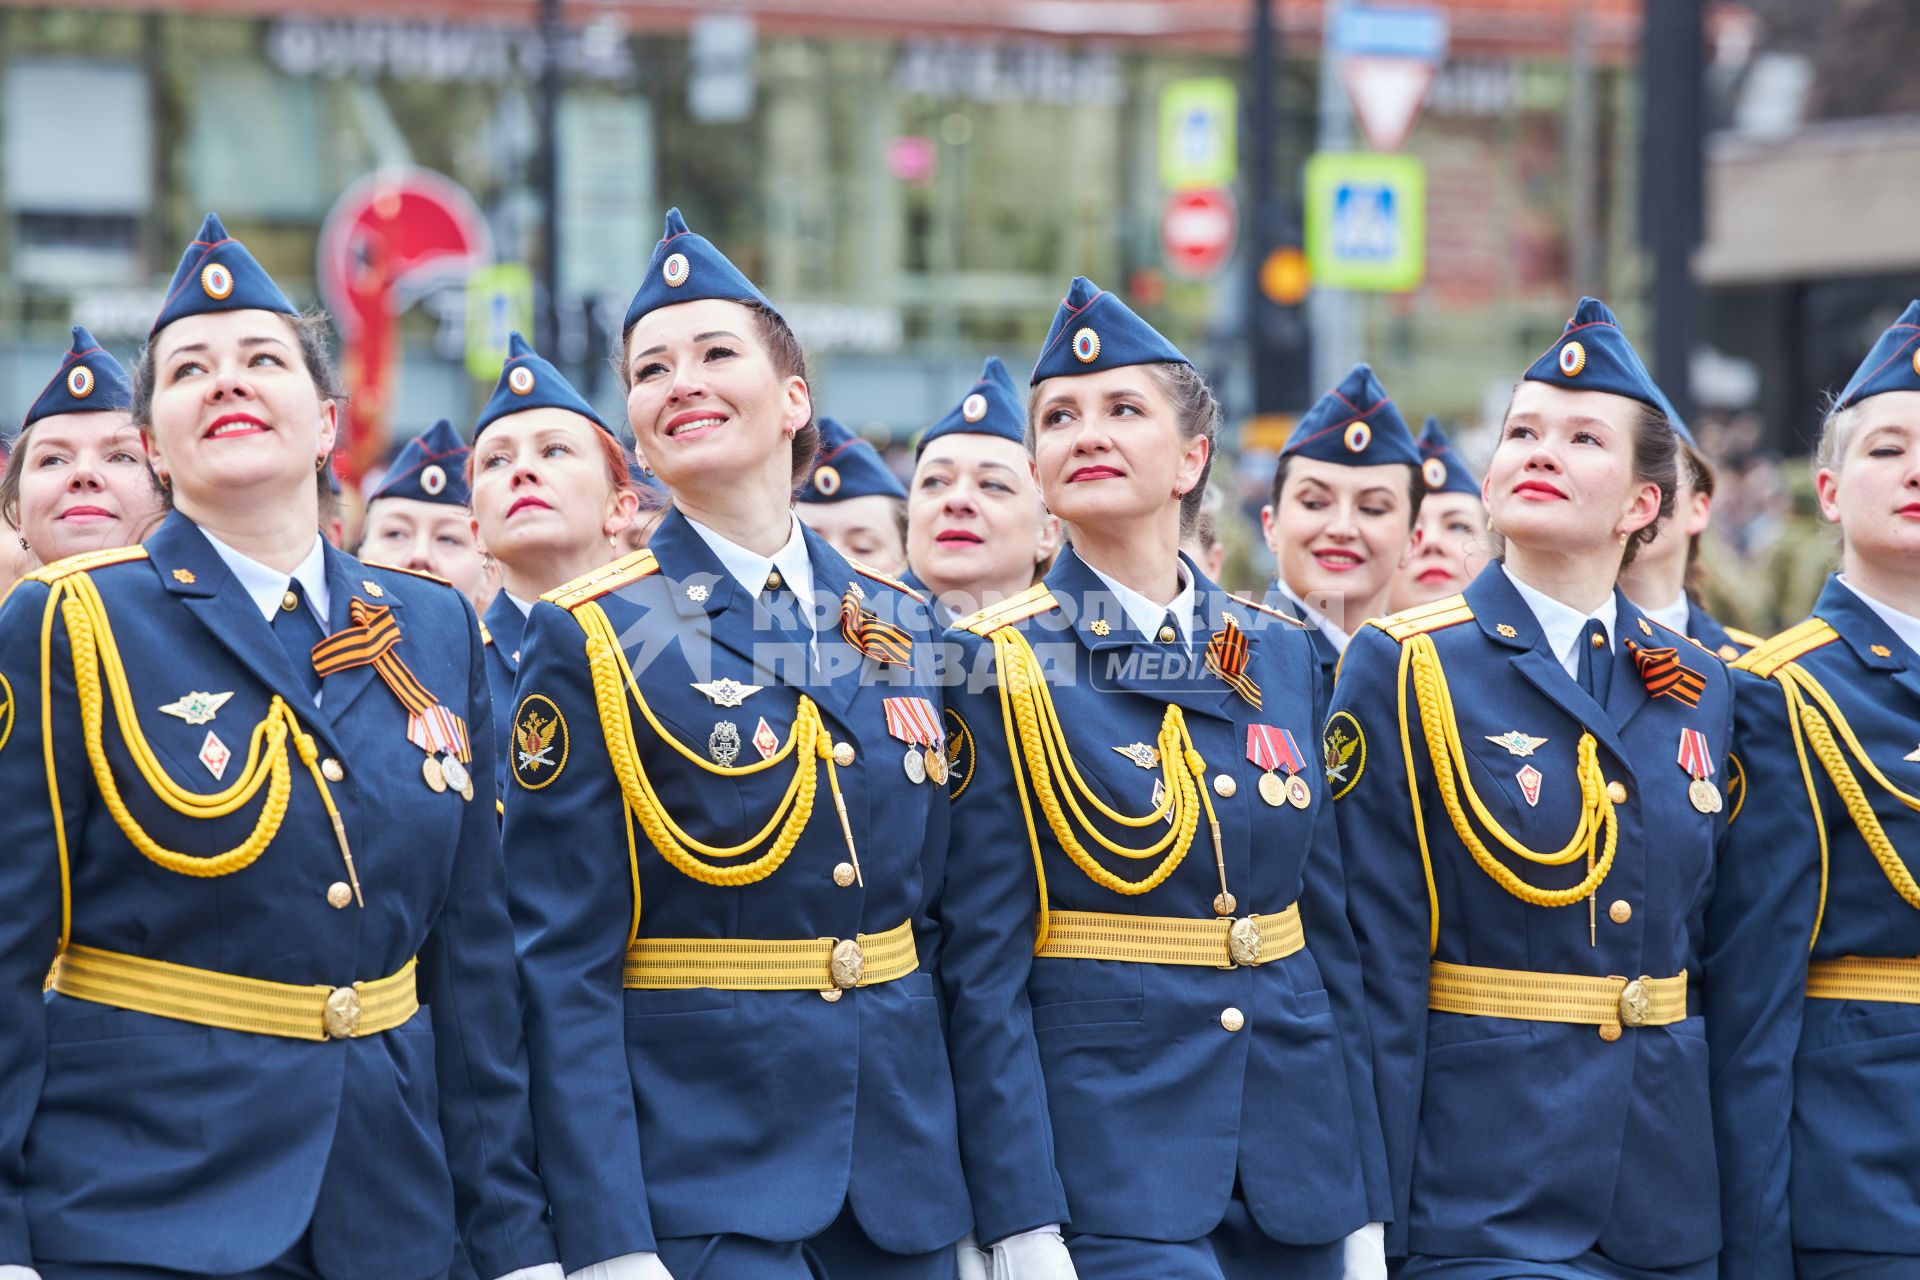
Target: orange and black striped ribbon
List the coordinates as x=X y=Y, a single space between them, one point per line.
x=371 y=639
x=1660 y=669
x=1227 y=658
x=881 y=641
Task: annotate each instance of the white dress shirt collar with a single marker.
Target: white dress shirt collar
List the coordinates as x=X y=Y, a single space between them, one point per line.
x=1676 y=615
x=1146 y=616
x=1904 y=625
x=1562 y=624
x=1319 y=621
x=266 y=586
x=751 y=569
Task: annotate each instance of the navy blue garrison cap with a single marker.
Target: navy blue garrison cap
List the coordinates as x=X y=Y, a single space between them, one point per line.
x=1440 y=466
x=1594 y=355
x=686 y=268
x=529 y=382
x=1094 y=330
x=1356 y=425
x=432 y=467
x=848 y=467
x=1892 y=365
x=991 y=407
x=90 y=381
x=216 y=273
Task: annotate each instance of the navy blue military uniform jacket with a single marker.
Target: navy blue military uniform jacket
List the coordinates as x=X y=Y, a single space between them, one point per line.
x=1821 y=1144
x=703 y=1111
x=504 y=627
x=135 y=1138
x=1522 y=1139
x=1111 y=1093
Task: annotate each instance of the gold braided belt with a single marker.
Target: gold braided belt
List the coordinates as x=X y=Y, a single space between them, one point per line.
x=1216 y=944
x=212 y=999
x=1888 y=979
x=1606 y=1003
x=826 y=965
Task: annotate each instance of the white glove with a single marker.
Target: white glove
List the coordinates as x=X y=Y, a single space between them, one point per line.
x=1365 y=1253
x=628 y=1266
x=974 y=1260
x=1039 y=1254
x=545 y=1271
x=13 y=1271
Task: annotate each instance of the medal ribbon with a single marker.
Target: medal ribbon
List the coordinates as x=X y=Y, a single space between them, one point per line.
x=1693 y=754
x=1660 y=669
x=1227 y=658
x=912 y=720
x=1271 y=747
x=371 y=640
x=881 y=641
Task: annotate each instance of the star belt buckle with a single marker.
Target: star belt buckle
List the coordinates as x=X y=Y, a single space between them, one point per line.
x=1243 y=941
x=1634 y=1002
x=343 y=1013
x=847 y=965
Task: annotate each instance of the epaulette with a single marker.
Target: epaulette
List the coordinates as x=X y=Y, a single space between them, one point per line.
x=486 y=636
x=878 y=576
x=400 y=568
x=629 y=568
x=86 y=562
x=1744 y=638
x=1036 y=599
x=1422 y=618
x=1769 y=656
x=1269 y=610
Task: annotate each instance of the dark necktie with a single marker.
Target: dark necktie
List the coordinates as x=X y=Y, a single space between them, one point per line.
x=297 y=630
x=791 y=629
x=1596 y=661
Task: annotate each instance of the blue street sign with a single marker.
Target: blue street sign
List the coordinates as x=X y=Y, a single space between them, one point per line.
x=1375 y=31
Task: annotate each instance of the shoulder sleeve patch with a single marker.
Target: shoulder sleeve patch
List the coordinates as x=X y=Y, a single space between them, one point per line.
x=6 y=711
x=877 y=576
x=1345 y=746
x=1421 y=619
x=960 y=754
x=86 y=562
x=1270 y=611
x=610 y=577
x=400 y=568
x=1795 y=642
x=1736 y=787
x=1035 y=600
x=540 y=742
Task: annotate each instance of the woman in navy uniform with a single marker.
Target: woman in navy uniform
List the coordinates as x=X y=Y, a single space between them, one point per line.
x=551 y=500
x=1529 y=780
x=724 y=838
x=78 y=478
x=254 y=875
x=1450 y=536
x=1819 y=1170
x=417 y=519
x=1346 y=495
x=1154 y=995
x=854 y=501
x=977 y=531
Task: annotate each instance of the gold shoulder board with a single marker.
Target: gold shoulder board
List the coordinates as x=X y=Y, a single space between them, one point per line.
x=400 y=568
x=629 y=568
x=86 y=562
x=1036 y=599
x=1269 y=610
x=1421 y=619
x=1744 y=638
x=878 y=576
x=1769 y=656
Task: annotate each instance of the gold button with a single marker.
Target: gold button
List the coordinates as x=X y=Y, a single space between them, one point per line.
x=1232 y=1019
x=1617 y=791
x=1621 y=911
x=843 y=874
x=339 y=894
x=773 y=581
x=289 y=602
x=843 y=754
x=1224 y=785
x=1599 y=641
x=1609 y=1031
x=1168 y=635
x=831 y=994
x=330 y=770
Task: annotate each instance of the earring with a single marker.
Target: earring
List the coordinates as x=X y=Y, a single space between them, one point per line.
x=23 y=543
x=1489 y=524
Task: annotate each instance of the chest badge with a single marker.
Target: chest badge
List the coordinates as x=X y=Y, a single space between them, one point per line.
x=723 y=744
x=197 y=708
x=1913 y=755
x=728 y=692
x=1516 y=742
x=1142 y=754
x=1529 y=780
x=215 y=755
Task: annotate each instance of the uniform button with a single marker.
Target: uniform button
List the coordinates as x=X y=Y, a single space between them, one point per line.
x=289 y=602
x=339 y=894
x=831 y=995
x=1599 y=641
x=843 y=754
x=843 y=874
x=1609 y=1031
x=773 y=582
x=1224 y=785
x=1621 y=911
x=1168 y=635
x=1617 y=791
x=331 y=770
x=1232 y=1019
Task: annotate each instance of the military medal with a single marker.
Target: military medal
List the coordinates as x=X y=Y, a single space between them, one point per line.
x=458 y=779
x=1698 y=762
x=440 y=733
x=915 y=722
x=436 y=777
x=197 y=708
x=723 y=744
x=1271 y=747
